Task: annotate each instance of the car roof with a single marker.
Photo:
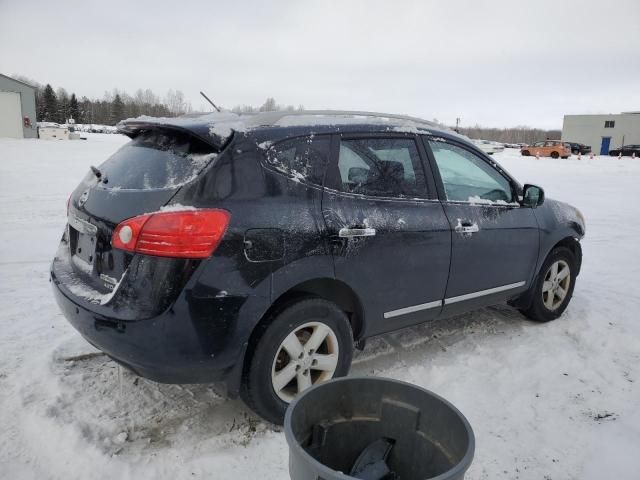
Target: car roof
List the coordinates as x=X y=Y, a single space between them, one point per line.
x=217 y=128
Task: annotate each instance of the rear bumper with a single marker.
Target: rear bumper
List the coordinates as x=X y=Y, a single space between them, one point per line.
x=173 y=347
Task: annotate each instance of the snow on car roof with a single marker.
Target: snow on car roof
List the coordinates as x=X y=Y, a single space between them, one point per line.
x=217 y=127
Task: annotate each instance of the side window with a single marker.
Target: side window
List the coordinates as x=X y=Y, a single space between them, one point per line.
x=303 y=158
x=468 y=178
x=383 y=167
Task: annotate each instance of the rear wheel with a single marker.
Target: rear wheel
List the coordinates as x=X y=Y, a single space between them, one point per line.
x=555 y=154
x=525 y=153
x=554 y=286
x=306 y=343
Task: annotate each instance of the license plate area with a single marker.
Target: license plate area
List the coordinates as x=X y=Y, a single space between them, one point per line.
x=82 y=242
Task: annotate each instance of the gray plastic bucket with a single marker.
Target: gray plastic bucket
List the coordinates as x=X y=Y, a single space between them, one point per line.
x=330 y=425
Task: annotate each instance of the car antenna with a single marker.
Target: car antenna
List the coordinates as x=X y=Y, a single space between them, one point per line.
x=209 y=100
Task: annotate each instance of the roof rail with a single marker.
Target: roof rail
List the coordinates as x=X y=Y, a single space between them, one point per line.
x=271 y=118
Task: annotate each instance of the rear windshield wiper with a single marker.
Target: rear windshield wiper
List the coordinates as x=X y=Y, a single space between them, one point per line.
x=99 y=174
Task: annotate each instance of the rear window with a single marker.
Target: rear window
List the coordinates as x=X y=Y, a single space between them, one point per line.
x=157 y=160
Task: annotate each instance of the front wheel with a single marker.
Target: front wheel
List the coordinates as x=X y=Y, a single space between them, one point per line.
x=554 y=286
x=525 y=153
x=306 y=343
x=555 y=154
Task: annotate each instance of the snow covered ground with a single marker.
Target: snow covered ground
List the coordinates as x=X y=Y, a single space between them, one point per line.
x=554 y=401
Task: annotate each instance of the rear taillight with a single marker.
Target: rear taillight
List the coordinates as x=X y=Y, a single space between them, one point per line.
x=182 y=234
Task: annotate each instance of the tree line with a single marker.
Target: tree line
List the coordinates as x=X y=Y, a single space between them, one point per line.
x=59 y=106
x=521 y=134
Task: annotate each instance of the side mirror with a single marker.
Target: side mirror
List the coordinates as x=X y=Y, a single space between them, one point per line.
x=532 y=196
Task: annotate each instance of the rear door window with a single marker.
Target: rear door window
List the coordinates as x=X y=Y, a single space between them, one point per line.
x=381 y=167
x=156 y=160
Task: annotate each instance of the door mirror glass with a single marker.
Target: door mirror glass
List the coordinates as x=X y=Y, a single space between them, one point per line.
x=532 y=196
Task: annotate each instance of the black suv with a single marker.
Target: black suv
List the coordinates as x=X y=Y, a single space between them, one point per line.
x=626 y=151
x=579 y=148
x=256 y=251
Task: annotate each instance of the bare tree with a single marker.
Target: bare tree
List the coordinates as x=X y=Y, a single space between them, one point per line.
x=176 y=103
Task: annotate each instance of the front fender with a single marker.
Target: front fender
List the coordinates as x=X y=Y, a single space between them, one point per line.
x=558 y=222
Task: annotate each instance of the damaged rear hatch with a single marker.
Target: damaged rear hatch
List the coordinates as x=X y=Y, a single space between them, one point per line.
x=140 y=178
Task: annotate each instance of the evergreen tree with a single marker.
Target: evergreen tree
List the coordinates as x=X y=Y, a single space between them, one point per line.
x=40 y=108
x=50 y=105
x=86 y=111
x=63 y=105
x=74 y=109
x=117 y=109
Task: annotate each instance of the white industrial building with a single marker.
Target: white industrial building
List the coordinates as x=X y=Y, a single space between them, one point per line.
x=602 y=132
x=17 y=109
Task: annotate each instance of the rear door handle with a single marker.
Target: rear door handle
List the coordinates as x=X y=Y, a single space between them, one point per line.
x=466 y=227
x=356 y=232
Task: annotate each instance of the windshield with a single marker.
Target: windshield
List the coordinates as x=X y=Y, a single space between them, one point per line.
x=156 y=160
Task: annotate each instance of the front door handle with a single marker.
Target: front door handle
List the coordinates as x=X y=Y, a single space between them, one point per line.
x=356 y=232
x=466 y=227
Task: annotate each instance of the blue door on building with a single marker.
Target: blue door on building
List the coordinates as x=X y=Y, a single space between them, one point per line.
x=604 y=147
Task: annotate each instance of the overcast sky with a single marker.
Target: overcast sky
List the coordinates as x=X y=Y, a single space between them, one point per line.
x=494 y=63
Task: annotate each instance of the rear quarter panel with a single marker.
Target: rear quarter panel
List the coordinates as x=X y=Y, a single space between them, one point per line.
x=275 y=238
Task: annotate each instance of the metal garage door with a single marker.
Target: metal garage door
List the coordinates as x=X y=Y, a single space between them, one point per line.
x=10 y=115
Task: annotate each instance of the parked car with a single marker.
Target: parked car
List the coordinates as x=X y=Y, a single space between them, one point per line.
x=548 y=148
x=627 y=151
x=488 y=147
x=256 y=251
x=579 y=148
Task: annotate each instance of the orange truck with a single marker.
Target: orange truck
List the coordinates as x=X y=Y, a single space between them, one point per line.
x=548 y=148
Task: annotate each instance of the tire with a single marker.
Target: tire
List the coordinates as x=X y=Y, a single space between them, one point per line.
x=542 y=308
x=554 y=155
x=295 y=324
x=525 y=153
x=576 y=152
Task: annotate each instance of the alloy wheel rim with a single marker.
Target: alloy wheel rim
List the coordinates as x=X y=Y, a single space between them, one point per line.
x=555 y=287
x=308 y=355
